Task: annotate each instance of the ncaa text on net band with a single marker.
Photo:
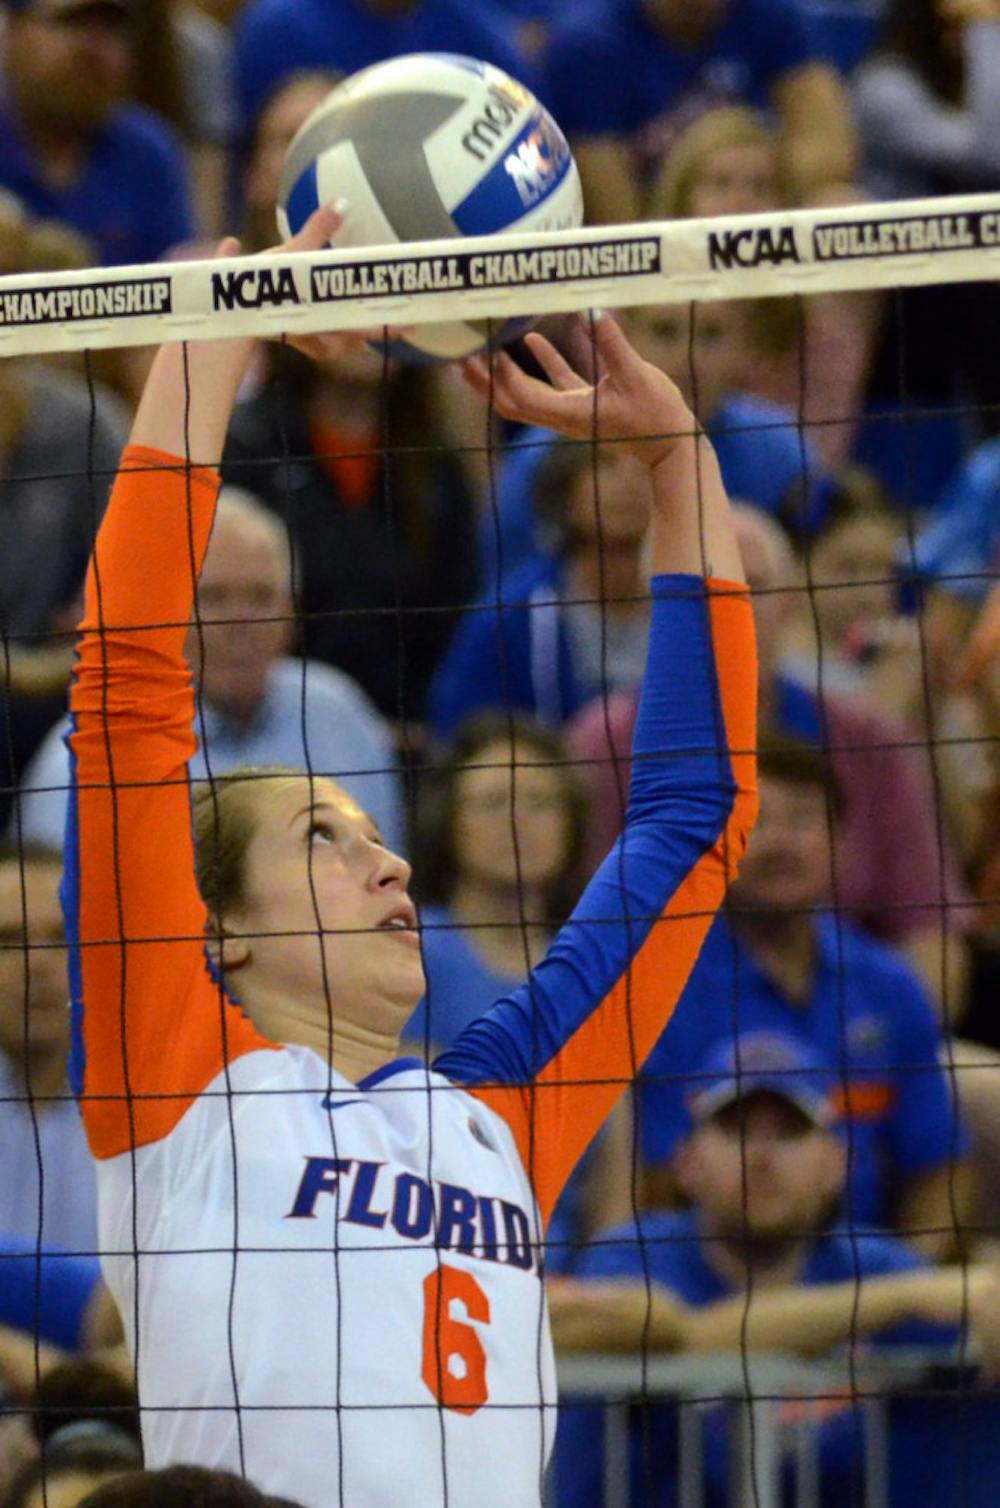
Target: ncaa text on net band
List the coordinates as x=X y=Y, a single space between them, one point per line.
x=926 y=241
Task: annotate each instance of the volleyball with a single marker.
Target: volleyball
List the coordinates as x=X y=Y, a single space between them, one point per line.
x=430 y=146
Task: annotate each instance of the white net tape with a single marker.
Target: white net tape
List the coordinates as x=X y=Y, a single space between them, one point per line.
x=918 y=241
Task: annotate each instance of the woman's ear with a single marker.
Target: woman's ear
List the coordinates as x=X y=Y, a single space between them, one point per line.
x=227 y=953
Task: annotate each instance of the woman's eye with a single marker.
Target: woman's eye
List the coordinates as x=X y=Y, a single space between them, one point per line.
x=320 y=831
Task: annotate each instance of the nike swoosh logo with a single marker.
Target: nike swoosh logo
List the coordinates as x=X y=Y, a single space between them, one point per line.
x=331 y=1104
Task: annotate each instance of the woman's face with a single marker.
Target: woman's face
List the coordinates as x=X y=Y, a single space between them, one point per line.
x=511 y=825
x=853 y=564
x=613 y=506
x=737 y=180
x=327 y=919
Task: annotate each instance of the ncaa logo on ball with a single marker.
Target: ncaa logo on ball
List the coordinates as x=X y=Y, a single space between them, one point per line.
x=537 y=160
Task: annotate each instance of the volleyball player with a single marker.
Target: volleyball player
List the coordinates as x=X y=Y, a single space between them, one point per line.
x=327 y=1258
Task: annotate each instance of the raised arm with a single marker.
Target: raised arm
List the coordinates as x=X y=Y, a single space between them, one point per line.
x=554 y=1057
x=151 y=1026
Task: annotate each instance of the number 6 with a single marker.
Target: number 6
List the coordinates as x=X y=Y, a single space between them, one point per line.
x=447 y=1339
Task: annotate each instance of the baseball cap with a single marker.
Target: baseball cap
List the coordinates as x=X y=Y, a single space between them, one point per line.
x=764 y=1062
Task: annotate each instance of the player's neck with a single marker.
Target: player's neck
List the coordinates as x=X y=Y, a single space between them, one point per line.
x=354 y=1050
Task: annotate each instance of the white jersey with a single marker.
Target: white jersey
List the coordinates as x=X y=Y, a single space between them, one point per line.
x=300 y=1252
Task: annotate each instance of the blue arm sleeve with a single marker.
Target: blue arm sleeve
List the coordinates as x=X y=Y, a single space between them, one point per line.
x=554 y=1056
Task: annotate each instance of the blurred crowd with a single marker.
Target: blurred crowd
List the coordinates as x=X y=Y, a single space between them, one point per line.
x=449 y=615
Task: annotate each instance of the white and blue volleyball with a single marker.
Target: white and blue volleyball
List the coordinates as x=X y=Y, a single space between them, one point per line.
x=430 y=146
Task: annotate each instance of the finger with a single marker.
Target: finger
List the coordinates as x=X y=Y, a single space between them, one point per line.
x=614 y=348
x=229 y=246
x=552 y=362
x=323 y=223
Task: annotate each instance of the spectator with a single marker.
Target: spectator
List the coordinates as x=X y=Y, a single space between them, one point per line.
x=259 y=706
x=72 y=145
x=900 y=891
x=85 y=1391
x=500 y=835
x=927 y=100
x=500 y=839
x=47 y=1195
x=51 y=1304
x=779 y=961
x=351 y=456
x=181 y=1487
x=285 y=109
x=928 y=107
x=751 y=1265
x=853 y=607
x=277 y=37
x=708 y=350
x=812 y=356
x=72 y=1465
x=731 y=161
x=184 y=72
x=625 y=77
x=565 y=625
x=18 y=1446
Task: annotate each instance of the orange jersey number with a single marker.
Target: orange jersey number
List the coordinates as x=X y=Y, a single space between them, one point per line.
x=454 y=1366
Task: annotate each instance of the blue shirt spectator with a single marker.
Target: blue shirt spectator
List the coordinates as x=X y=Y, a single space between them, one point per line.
x=46 y=1292
x=275 y=37
x=671 y=1250
x=763 y=1166
x=635 y=73
x=72 y=145
x=959 y=548
x=131 y=196
x=870 y=1018
x=764 y=458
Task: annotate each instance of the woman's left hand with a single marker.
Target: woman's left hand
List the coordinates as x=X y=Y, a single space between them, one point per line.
x=631 y=401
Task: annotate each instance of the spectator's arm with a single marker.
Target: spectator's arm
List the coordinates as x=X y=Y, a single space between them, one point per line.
x=589 y=1315
x=943 y=966
x=934 y=1208
x=23 y=1359
x=820 y=139
x=611 y=1193
x=592 y=1315
x=812 y=1320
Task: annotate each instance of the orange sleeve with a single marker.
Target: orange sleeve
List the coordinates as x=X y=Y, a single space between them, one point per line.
x=151 y=1025
x=555 y=1057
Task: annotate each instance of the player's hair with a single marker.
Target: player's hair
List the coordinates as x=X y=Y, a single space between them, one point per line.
x=225 y=819
x=180 y=1487
x=438 y=806
x=795 y=763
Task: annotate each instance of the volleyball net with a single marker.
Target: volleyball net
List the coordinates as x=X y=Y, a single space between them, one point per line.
x=448 y=614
